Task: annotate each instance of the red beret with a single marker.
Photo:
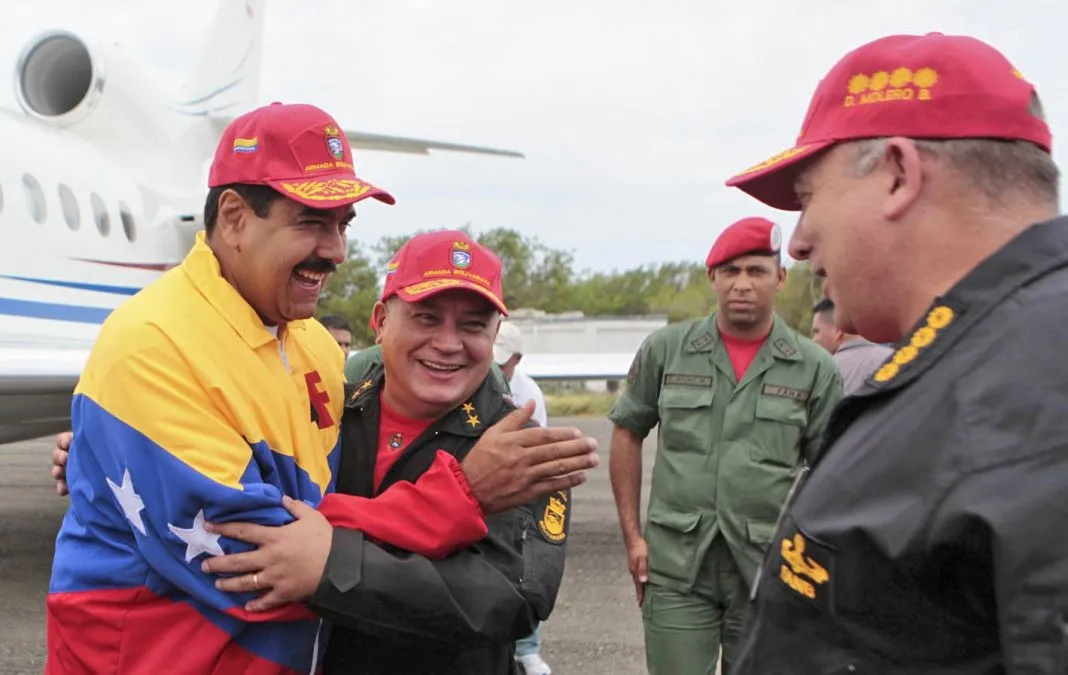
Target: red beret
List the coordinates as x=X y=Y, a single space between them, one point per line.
x=747 y=236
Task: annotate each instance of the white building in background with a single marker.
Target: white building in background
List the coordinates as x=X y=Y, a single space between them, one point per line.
x=572 y=346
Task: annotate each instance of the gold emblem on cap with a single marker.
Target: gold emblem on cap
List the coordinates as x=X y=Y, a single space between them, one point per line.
x=775 y=159
x=883 y=86
x=327 y=190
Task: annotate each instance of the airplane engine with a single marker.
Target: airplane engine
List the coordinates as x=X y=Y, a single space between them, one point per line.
x=58 y=79
x=64 y=81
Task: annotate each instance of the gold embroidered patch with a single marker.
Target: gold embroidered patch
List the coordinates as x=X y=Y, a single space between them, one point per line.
x=553 y=521
x=799 y=572
x=325 y=190
x=887 y=372
x=938 y=318
x=905 y=354
x=923 y=337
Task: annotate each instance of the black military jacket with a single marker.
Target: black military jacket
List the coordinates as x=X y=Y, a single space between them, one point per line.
x=399 y=613
x=931 y=538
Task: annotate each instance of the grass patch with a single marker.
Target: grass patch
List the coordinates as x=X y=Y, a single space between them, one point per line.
x=579 y=404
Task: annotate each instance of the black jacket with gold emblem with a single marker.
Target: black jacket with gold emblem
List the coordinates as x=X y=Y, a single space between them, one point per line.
x=399 y=613
x=931 y=537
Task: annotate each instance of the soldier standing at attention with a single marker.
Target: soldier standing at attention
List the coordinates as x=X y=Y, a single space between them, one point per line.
x=741 y=400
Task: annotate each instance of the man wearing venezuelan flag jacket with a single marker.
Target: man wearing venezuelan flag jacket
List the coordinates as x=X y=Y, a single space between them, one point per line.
x=212 y=397
x=209 y=396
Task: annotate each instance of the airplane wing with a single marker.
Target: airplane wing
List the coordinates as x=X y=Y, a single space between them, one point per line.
x=36 y=387
x=411 y=146
x=576 y=366
x=415 y=146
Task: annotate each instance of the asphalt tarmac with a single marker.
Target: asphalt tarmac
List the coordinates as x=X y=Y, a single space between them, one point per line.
x=595 y=629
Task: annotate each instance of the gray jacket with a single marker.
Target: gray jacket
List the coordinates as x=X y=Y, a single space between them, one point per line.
x=932 y=535
x=857 y=359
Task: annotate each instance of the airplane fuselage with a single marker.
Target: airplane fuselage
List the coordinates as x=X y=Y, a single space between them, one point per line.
x=83 y=234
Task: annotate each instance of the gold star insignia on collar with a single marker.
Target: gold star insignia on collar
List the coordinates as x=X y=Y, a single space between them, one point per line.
x=468 y=408
x=363 y=387
x=473 y=420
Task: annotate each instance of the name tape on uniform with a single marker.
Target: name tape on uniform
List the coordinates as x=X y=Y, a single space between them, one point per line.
x=786 y=392
x=688 y=380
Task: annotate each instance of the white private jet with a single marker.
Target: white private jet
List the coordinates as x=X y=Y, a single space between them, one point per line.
x=101 y=190
x=576 y=366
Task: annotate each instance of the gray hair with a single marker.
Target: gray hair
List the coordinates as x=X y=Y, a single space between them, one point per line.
x=999 y=169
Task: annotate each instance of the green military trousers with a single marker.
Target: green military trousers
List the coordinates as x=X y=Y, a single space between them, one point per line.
x=684 y=631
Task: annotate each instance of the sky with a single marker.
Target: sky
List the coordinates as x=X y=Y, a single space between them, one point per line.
x=631 y=114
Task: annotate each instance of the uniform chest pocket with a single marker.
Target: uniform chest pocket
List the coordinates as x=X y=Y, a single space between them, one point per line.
x=780 y=423
x=686 y=418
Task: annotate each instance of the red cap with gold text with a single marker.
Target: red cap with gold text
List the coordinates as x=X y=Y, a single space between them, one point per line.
x=298 y=150
x=440 y=261
x=932 y=86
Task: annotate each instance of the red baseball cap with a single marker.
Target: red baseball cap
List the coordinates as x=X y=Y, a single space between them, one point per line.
x=298 y=150
x=920 y=86
x=745 y=237
x=439 y=261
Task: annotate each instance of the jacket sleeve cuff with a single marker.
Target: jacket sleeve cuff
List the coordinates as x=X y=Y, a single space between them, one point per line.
x=461 y=482
x=343 y=572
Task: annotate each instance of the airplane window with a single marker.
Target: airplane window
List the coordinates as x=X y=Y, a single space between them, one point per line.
x=35 y=198
x=100 y=214
x=69 y=202
x=128 y=225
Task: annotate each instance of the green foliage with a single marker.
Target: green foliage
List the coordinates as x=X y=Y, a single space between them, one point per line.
x=351 y=292
x=544 y=278
x=579 y=404
x=799 y=294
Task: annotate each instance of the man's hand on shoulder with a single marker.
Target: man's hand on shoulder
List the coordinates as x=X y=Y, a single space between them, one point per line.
x=513 y=464
x=59 y=462
x=287 y=564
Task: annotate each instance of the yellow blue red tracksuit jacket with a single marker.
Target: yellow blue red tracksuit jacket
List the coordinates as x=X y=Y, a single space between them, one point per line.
x=187 y=412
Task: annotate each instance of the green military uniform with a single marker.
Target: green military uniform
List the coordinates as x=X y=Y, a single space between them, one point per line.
x=727 y=454
x=362 y=361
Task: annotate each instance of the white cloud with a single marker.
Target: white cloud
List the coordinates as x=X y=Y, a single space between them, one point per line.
x=632 y=114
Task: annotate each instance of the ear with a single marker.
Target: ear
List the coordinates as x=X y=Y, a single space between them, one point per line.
x=711 y=272
x=905 y=167
x=231 y=221
x=782 y=277
x=378 y=318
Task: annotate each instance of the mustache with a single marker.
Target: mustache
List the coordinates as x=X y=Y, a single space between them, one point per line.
x=317 y=265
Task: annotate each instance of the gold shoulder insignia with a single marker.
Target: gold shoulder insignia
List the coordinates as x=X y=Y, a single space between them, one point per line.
x=793 y=552
x=553 y=521
x=938 y=319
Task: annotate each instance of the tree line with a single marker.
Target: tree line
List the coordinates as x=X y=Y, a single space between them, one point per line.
x=537 y=276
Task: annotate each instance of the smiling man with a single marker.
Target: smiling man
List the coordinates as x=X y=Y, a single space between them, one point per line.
x=741 y=400
x=209 y=395
x=930 y=535
x=212 y=396
x=429 y=401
